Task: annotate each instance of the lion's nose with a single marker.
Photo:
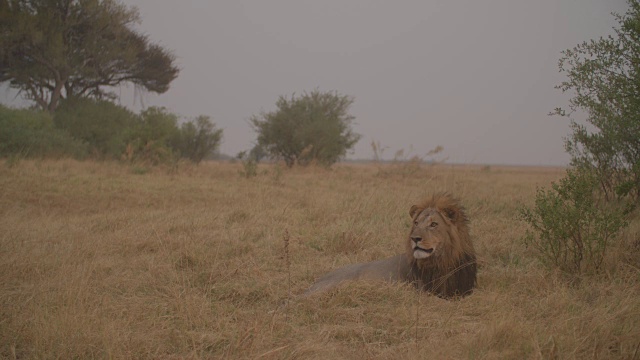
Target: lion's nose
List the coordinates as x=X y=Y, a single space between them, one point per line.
x=416 y=239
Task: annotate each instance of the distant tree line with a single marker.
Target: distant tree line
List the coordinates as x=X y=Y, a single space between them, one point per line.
x=83 y=128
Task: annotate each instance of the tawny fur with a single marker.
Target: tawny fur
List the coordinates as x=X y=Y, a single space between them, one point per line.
x=450 y=271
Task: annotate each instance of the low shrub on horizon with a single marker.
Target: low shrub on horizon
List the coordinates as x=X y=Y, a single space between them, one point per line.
x=102 y=130
x=31 y=133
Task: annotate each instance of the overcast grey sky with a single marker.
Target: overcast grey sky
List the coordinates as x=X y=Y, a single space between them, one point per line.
x=476 y=77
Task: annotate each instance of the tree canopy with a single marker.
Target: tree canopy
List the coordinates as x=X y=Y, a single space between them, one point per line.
x=55 y=49
x=313 y=127
x=604 y=76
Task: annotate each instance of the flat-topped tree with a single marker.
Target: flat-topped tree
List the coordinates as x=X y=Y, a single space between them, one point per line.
x=55 y=49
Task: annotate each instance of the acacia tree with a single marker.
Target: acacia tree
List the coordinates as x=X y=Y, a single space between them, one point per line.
x=313 y=127
x=54 y=49
x=604 y=76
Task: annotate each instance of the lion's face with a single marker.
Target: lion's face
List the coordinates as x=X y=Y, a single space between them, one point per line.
x=428 y=234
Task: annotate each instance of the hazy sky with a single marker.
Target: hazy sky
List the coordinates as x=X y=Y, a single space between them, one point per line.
x=476 y=77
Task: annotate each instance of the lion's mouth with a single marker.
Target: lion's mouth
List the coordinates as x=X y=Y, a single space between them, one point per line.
x=428 y=251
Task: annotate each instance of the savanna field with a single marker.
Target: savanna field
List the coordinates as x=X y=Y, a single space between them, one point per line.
x=106 y=260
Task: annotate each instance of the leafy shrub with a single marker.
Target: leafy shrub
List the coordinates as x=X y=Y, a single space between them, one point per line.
x=312 y=128
x=572 y=229
x=82 y=126
x=31 y=133
x=103 y=125
x=197 y=139
x=148 y=140
x=603 y=76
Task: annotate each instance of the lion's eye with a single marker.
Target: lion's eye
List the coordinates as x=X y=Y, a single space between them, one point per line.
x=433 y=224
x=415 y=223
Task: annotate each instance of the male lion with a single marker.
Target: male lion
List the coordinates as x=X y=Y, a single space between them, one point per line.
x=440 y=258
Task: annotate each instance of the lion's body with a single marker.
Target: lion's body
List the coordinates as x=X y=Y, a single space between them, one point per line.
x=440 y=257
x=393 y=269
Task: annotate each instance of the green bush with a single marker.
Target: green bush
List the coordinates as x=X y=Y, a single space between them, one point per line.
x=149 y=139
x=106 y=127
x=197 y=139
x=31 y=133
x=312 y=128
x=106 y=130
x=603 y=77
x=572 y=227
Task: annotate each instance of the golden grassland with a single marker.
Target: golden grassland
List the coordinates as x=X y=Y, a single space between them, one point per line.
x=104 y=260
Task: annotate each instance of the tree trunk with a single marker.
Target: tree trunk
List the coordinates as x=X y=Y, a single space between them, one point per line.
x=56 y=94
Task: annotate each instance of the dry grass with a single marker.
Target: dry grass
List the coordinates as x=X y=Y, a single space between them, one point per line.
x=99 y=260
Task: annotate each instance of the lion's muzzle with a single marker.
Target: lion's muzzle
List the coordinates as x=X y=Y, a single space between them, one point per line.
x=418 y=251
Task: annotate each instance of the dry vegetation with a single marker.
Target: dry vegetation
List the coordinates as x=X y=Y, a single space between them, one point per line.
x=101 y=260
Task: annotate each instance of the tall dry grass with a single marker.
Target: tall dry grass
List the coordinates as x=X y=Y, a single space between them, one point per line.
x=99 y=260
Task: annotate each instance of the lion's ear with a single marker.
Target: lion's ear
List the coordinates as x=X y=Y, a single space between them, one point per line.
x=414 y=211
x=451 y=213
